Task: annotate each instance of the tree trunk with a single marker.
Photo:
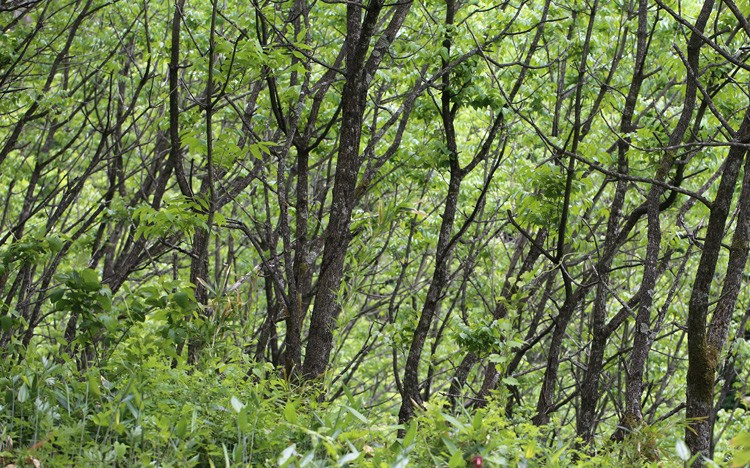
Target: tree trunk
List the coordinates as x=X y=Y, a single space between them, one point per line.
x=411 y=396
x=705 y=343
x=337 y=237
x=360 y=69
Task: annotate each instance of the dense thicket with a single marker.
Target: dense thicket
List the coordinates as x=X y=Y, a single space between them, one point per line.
x=523 y=225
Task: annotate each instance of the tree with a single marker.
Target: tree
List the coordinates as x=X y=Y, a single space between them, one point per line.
x=534 y=213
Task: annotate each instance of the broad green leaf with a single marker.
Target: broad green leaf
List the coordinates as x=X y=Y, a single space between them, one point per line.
x=510 y=381
x=23 y=393
x=454 y=422
x=182 y=299
x=6 y=322
x=411 y=434
x=90 y=280
x=456 y=460
x=56 y=295
x=290 y=412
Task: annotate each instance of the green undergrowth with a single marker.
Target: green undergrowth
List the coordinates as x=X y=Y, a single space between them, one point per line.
x=136 y=409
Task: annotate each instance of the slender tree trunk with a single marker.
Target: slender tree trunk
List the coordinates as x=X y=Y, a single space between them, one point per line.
x=326 y=308
x=704 y=342
x=546 y=394
x=360 y=69
x=302 y=274
x=491 y=374
x=410 y=394
x=202 y=237
x=585 y=418
x=459 y=378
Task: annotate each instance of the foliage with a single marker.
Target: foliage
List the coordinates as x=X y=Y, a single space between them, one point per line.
x=138 y=409
x=374 y=233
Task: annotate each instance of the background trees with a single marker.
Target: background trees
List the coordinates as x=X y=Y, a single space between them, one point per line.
x=532 y=212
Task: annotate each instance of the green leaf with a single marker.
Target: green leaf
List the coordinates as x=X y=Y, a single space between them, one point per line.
x=56 y=295
x=349 y=395
x=109 y=322
x=182 y=299
x=120 y=449
x=742 y=443
x=104 y=301
x=23 y=393
x=93 y=384
x=242 y=421
x=357 y=414
x=456 y=460
x=181 y=428
x=255 y=151
x=290 y=413
x=349 y=457
x=454 y=422
x=510 y=381
x=6 y=321
x=55 y=244
x=411 y=434
x=476 y=421
x=90 y=280
x=452 y=449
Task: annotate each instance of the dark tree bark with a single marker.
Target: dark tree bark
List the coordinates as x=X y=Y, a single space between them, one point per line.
x=410 y=392
x=585 y=418
x=174 y=162
x=546 y=394
x=360 y=69
x=491 y=374
x=705 y=341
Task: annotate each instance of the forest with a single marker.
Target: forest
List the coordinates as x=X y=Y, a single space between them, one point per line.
x=378 y=233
